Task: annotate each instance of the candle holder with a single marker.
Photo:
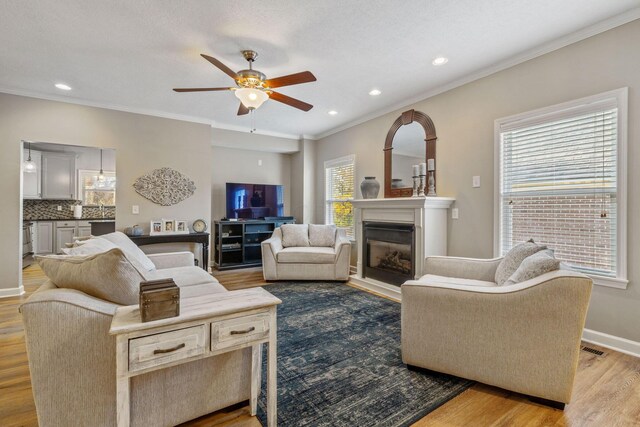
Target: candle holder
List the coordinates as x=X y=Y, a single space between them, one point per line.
x=432 y=184
x=416 y=186
x=421 y=188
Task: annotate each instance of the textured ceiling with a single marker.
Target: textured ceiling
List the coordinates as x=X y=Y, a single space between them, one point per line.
x=129 y=54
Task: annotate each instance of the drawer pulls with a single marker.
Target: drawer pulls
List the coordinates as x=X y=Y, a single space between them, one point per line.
x=169 y=350
x=246 y=331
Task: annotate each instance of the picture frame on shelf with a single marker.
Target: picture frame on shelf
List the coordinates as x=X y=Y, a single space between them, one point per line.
x=181 y=226
x=155 y=227
x=168 y=225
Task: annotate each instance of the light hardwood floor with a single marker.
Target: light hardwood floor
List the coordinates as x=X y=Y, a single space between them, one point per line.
x=606 y=391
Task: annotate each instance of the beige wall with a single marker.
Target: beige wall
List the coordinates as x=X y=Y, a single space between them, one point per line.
x=142 y=143
x=464 y=119
x=232 y=165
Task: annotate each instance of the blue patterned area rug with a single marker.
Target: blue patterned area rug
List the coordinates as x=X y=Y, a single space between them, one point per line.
x=339 y=361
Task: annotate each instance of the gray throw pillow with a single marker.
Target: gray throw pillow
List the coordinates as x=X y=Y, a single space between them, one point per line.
x=295 y=235
x=90 y=247
x=514 y=258
x=108 y=275
x=322 y=235
x=138 y=258
x=533 y=266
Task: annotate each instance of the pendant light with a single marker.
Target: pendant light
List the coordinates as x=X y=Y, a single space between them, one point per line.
x=101 y=174
x=29 y=165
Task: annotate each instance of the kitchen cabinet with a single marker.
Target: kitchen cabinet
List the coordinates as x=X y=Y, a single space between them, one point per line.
x=65 y=232
x=84 y=231
x=43 y=242
x=58 y=176
x=32 y=182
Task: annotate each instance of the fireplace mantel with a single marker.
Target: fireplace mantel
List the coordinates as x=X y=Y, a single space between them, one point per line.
x=428 y=215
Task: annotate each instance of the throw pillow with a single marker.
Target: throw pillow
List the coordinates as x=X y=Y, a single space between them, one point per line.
x=295 y=235
x=90 y=247
x=533 y=266
x=138 y=258
x=322 y=235
x=107 y=275
x=514 y=258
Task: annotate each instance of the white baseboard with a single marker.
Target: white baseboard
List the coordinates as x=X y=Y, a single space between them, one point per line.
x=622 y=345
x=385 y=289
x=12 y=292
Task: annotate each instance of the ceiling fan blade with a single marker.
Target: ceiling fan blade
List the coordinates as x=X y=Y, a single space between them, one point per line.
x=228 y=71
x=200 y=89
x=291 y=79
x=242 y=110
x=296 y=103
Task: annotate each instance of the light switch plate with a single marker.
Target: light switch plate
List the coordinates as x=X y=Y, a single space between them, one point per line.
x=476 y=181
x=59 y=208
x=260 y=162
x=454 y=213
x=135 y=209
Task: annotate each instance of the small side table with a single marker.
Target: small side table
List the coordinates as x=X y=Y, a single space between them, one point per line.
x=207 y=326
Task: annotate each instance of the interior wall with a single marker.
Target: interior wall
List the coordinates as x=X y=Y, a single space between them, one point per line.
x=464 y=119
x=142 y=143
x=242 y=166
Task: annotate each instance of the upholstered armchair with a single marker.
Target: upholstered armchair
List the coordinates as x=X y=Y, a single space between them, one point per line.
x=523 y=337
x=306 y=262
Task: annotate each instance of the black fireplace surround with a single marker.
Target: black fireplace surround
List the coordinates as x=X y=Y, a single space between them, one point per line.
x=389 y=252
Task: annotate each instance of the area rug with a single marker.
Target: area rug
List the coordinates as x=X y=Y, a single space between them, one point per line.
x=339 y=361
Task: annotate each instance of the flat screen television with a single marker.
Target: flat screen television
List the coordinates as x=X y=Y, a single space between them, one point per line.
x=254 y=201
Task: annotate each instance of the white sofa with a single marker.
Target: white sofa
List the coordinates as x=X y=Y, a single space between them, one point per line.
x=306 y=262
x=523 y=337
x=72 y=359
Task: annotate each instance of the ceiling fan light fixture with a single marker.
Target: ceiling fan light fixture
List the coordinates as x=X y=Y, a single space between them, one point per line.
x=251 y=98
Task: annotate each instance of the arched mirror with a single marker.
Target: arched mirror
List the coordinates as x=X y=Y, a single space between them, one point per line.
x=408 y=150
x=411 y=140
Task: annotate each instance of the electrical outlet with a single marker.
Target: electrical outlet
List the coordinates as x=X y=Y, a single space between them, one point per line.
x=454 y=213
x=135 y=209
x=476 y=182
x=59 y=208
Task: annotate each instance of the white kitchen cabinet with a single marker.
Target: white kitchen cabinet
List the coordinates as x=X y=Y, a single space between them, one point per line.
x=84 y=231
x=31 y=182
x=58 y=176
x=64 y=235
x=43 y=243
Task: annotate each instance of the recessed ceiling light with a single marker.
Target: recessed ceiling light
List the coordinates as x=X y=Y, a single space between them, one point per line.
x=333 y=112
x=63 y=86
x=440 y=60
x=375 y=92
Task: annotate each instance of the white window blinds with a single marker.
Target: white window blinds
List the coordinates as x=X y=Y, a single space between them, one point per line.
x=559 y=186
x=339 y=192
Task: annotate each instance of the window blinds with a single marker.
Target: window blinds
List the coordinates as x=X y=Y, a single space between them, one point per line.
x=559 y=187
x=339 y=192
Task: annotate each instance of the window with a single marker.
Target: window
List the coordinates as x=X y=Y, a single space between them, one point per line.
x=561 y=180
x=93 y=192
x=339 y=192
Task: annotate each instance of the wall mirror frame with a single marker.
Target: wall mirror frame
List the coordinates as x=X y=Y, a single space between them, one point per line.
x=430 y=138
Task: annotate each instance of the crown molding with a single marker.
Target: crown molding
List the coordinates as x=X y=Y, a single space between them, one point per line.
x=146 y=112
x=576 y=36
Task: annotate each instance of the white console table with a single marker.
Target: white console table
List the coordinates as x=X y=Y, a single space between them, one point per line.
x=207 y=326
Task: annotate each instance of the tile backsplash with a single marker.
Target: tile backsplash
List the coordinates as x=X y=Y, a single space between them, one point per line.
x=35 y=210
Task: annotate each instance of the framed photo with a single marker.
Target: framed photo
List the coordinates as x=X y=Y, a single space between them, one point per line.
x=181 y=226
x=168 y=225
x=156 y=227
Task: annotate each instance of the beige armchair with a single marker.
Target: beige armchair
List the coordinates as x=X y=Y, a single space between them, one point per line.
x=523 y=337
x=72 y=360
x=306 y=263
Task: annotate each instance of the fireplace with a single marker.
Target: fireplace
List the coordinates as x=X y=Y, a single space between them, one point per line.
x=388 y=252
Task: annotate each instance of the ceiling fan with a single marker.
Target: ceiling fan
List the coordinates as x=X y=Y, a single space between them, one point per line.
x=253 y=88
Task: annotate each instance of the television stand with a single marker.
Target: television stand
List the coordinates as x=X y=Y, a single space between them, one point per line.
x=238 y=243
